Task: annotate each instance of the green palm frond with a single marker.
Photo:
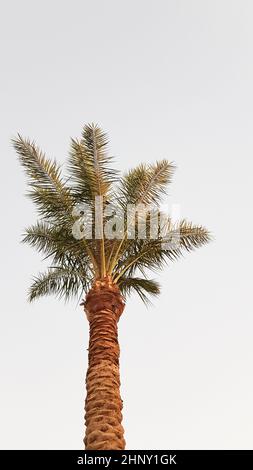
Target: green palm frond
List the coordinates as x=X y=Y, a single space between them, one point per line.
x=89 y=168
x=143 y=287
x=63 y=282
x=153 y=254
x=48 y=191
x=56 y=242
x=89 y=165
x=191 y=236
x=145 y=184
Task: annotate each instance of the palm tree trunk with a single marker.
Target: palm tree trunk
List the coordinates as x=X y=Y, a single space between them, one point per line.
x=103 y=403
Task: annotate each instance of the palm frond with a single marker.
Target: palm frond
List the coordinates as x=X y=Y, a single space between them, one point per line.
x=48 y=191
x=192 y=236
x=145 y=184
x=89 y=168
x=89 y=164
x=61 y=281
x=56 y=242
x=153 y=254
x=141 y=286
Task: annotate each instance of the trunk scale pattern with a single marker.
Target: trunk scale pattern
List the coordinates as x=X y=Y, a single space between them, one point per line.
x=103 y=405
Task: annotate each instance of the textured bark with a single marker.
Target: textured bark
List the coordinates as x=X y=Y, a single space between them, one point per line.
x=103 y=404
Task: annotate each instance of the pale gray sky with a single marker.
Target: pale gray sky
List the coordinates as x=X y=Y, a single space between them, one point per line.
x=166 y=79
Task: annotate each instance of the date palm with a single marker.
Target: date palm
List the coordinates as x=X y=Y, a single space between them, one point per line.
x=103 y=269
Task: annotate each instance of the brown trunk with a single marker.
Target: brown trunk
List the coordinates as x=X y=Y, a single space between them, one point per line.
x=103 y=403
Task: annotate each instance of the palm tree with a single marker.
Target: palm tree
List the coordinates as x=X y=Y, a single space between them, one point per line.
x=105 y=269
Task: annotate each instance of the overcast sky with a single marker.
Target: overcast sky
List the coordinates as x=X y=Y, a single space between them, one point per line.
x=166 y=79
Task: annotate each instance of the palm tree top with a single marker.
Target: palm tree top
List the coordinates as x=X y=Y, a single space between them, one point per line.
x=77 y=262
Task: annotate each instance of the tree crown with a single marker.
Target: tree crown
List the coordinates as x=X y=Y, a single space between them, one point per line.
x=93 y=195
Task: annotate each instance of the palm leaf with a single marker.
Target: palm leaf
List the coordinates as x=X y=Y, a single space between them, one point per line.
x=145 y=184
x=48 y=191
x=89 y=164
x=155 y=253
x=89 y=168
x=141 y=286
x=56 y=242
x=63 y=282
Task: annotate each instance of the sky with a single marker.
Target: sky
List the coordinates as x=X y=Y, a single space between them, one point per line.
x=166 y=79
